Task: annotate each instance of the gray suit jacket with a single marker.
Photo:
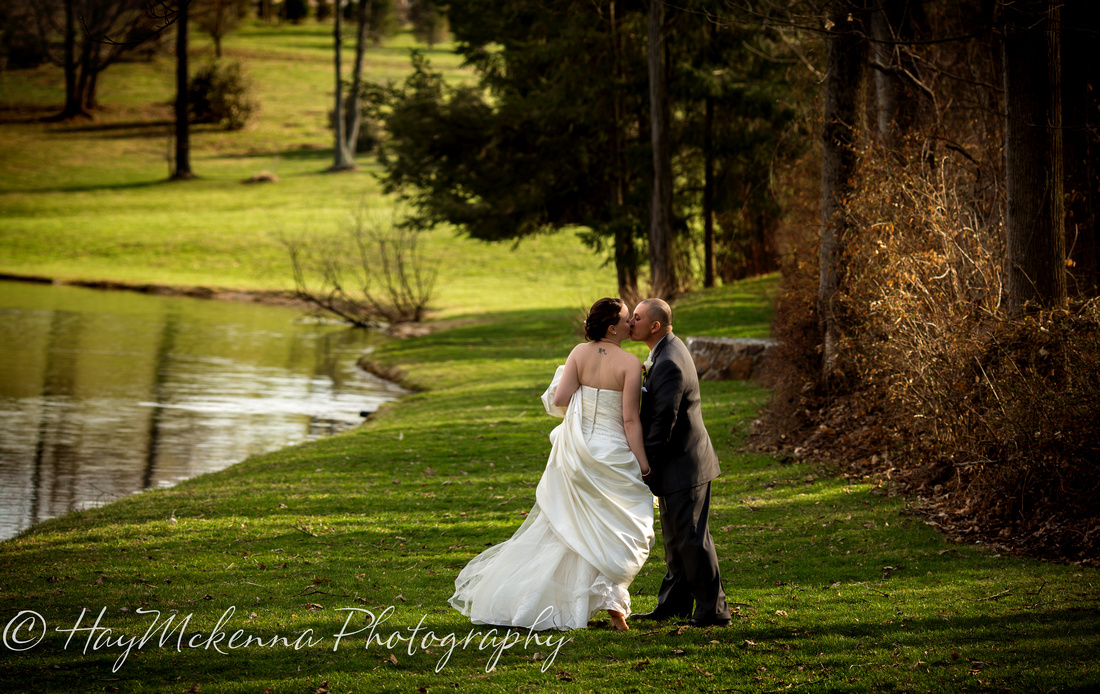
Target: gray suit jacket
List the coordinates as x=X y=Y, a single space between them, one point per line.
x=676 y=441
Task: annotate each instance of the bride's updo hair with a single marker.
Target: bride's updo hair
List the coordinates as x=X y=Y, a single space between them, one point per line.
x=603 y=314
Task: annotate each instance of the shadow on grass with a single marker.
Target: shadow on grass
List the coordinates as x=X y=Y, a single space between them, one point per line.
x=135 y=185
x=129 y=128
x=26 y=115
x=321 y=156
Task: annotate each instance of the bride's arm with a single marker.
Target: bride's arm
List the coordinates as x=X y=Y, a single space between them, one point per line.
x=570 y=381
x=632 y=423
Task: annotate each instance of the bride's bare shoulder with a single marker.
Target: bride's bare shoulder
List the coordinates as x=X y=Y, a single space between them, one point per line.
x=629 y=358
x=579 y=349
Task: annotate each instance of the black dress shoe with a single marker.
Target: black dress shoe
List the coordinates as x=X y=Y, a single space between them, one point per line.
x=709 y=622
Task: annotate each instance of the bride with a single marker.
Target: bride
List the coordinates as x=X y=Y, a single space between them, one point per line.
x=591 y=527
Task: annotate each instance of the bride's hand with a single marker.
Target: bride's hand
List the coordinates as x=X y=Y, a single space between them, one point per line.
x=646 y=472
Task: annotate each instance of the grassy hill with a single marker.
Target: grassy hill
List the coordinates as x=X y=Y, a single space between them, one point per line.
x=91 y=200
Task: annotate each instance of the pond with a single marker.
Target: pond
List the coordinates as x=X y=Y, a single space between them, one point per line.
x=107 y=393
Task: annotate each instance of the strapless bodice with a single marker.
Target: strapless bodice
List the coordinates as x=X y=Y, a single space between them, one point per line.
x=602 y=413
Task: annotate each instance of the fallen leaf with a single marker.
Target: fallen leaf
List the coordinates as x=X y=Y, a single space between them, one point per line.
x=565 y=676
x=641 y=664
x=392 y=659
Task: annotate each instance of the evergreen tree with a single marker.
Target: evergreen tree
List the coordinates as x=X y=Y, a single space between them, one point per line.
x=557 y=132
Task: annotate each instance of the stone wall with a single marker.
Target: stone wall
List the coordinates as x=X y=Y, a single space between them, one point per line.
x=728 y=358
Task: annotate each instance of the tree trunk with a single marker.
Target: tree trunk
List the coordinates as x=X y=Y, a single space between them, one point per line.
x=340 y=159
x=893 y=24
x=626 y=255
x=661 y=261
x=887 y=80
x=844 y=80
x=83 y=75
x=362 y=36
x=1081 y=125
x=183 y=129
x=709 y=265
x=74 y=101
x=1035 y=218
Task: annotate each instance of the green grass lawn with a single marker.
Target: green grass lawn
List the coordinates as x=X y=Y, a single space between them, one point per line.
x=838 y=587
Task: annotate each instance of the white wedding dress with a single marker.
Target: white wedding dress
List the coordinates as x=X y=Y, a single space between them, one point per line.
x=586 y=537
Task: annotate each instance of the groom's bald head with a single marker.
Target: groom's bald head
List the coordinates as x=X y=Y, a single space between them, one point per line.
x=658 y=310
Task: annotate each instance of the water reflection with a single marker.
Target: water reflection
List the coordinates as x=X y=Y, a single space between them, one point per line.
x=106 y=393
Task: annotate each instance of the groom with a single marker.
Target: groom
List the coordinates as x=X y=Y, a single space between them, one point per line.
x=683 y=463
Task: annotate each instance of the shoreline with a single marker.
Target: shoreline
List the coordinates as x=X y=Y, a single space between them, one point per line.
x=271 y=297
x=260 y=298
x=264 y=297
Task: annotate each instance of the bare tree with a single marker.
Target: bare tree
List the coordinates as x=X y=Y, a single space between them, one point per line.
x=218 y=18
x=375 y=271
x=892 y=23
x=93 y=34
x=1081 y=143
x=354 y=116
x=341 y=157
x=1035 y=215
x=844 y=79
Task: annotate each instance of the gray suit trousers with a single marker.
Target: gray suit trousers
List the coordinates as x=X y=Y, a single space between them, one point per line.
x=692 y=578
